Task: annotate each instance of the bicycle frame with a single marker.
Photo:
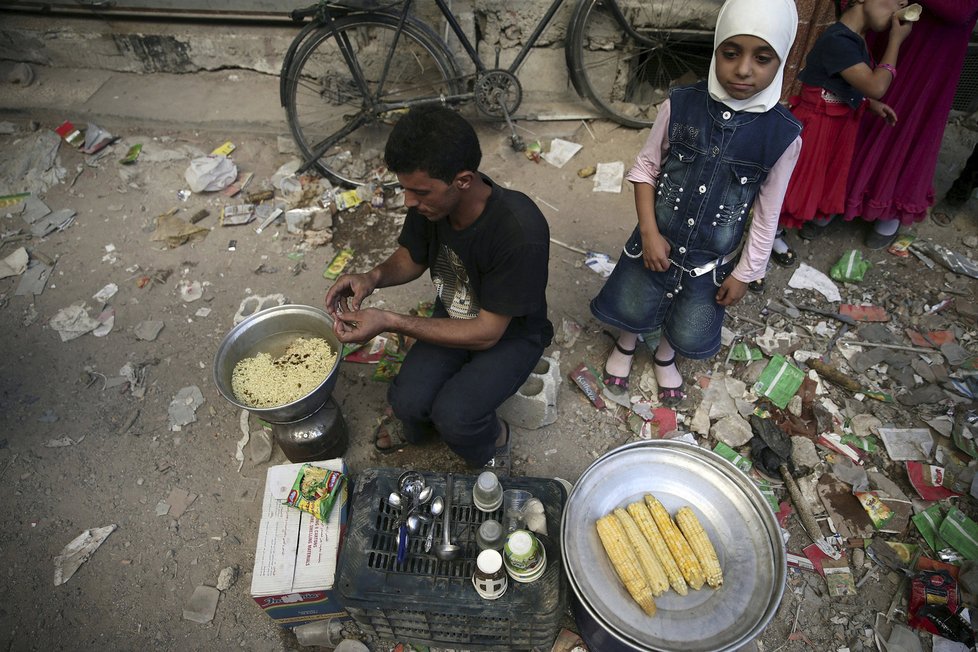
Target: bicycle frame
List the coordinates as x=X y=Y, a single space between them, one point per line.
x=374 y=106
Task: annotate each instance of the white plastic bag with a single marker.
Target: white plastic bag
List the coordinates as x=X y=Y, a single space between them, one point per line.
x=211 y=173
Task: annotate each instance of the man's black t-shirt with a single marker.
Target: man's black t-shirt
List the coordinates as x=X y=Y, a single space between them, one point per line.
x=500 y=262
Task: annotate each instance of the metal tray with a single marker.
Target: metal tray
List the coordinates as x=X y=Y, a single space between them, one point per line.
x=736 y=518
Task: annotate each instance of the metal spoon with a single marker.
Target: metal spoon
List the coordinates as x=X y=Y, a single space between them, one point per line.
x=446 y=550
x=437 y=507
x=394 y=500
x=425 y=495
x=413 y=524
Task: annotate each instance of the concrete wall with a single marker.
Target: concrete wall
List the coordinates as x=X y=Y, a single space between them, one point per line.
x=111 y=42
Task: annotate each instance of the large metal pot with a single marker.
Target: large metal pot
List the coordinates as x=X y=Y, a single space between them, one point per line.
x=271 y=331
x=737 y=520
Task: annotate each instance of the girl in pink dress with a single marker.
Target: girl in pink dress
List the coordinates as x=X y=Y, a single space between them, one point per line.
x=839 y=84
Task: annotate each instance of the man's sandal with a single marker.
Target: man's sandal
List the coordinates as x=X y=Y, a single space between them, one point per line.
x=617 y=385
x=388 y=435
x=502 y=459
x=669 y=396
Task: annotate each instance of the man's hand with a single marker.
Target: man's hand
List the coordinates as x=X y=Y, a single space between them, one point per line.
x=655 y=251
x=348 y=293
x=731 y=291
x=884 y=111
x=359 y=326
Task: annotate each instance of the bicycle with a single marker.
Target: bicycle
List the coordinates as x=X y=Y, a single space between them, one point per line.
x=358 y=64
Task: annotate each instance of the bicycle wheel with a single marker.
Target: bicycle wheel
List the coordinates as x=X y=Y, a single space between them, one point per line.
x=624 y=56
x=329 y=113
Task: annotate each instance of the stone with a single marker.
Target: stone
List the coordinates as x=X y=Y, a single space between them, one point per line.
x=148 y=330
x=864 y=425
x=721 y=403
x=803 y=452
x=227 y=577
x=733 y=430
x=861 y=362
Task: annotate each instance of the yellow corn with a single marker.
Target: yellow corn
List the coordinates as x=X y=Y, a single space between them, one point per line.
x=623 y=559
x=643 y=519
x=655 y=576
x=700 y=543
x=678 y=545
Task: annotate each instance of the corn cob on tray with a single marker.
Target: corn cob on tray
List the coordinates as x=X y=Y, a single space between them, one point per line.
x=731 y=549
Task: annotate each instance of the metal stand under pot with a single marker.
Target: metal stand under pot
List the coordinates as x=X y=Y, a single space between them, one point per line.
x=307 y=429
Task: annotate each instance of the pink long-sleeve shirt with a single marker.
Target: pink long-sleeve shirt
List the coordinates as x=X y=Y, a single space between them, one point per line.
x=767 y=205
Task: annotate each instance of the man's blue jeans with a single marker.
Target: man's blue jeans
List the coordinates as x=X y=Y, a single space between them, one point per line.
x=455 y=392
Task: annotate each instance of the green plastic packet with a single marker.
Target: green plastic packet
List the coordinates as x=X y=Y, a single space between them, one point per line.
x=929 y=523
x=132 y=154
x=733 y=457
x=961 y=533
x=743 y=353
x=868 y=444
x=779 y=381
x=767 y=490
x=851 y=267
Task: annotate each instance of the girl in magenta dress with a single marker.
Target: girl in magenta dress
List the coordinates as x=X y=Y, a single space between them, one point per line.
x=892 y=173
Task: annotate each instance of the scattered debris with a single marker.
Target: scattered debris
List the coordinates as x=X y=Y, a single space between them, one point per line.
x=560 y=152
x=183 y=407
x=73 y=322
x=210 y=173
x=148 y=330
x=807 y=277
x=15 y=264
x=78 y=552
x=202 y=605
x=609 y=176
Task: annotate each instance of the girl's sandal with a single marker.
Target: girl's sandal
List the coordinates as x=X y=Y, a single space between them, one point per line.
x=617 y=385
x=388 y=435
x=756 y=286
x=669 y=396
x=785 y=259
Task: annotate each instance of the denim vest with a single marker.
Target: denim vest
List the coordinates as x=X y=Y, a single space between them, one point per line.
x=717 y=160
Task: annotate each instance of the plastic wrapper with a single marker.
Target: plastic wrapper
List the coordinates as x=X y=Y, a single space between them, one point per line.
x=315 y=490
x=934 y=607
x=210 y=173
x=851 y=268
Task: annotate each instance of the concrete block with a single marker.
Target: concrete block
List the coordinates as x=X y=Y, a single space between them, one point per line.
x=534 y=405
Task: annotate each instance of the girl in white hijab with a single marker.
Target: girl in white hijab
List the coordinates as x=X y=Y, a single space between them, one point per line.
x=718 y=151
x=774 y=21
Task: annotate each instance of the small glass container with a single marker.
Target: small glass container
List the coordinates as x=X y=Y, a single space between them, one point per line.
x=489 y=536
x=487 y=493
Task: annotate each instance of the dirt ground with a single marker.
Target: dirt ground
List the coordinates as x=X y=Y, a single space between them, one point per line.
x=123 y=458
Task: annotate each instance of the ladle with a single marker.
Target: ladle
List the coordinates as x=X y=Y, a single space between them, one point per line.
x=437 y=507
x=446 y=550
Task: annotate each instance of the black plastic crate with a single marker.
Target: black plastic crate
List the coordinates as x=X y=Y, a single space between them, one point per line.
x=433 y=602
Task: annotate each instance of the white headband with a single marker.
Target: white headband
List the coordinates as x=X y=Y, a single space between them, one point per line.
x=775 y=21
